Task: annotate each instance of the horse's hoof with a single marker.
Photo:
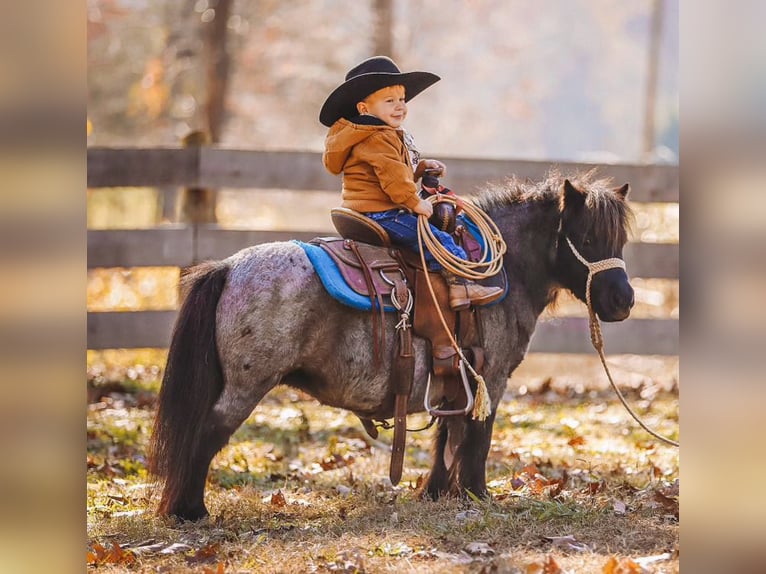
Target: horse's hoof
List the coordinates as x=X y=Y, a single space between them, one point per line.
x=189 y=514
x=430 y=492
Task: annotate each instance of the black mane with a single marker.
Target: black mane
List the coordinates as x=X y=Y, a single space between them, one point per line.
x=606 y=211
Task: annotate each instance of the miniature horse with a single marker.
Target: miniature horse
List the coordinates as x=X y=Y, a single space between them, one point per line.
x=262 y=318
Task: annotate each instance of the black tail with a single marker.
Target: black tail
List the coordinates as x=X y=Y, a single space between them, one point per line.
x=192 y=382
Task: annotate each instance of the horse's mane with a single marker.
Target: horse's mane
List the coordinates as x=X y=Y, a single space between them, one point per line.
x=606 y=210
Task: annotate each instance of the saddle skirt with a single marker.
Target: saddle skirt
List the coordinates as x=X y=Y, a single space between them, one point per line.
x=362 y=276
x=344 y=283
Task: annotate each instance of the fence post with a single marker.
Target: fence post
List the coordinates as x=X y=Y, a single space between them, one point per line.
x=196 y=205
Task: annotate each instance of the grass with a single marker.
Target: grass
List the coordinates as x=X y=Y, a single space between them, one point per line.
x=300 y=488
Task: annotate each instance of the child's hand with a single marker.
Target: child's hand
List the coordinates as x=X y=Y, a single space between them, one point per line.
x=433 y=165
x=424 y=208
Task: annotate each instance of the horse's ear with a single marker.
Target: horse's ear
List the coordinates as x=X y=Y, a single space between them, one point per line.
x=623 y=190
x=572 y=195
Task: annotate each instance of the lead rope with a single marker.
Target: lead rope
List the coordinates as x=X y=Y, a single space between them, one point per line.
x=491 y=262
x=597 y=338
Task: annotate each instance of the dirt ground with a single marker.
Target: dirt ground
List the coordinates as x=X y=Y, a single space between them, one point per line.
x=576 y=486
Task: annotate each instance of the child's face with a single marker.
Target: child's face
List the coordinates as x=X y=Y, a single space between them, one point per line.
x=386 y=104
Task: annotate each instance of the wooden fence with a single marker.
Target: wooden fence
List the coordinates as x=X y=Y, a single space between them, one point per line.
x=184 y=245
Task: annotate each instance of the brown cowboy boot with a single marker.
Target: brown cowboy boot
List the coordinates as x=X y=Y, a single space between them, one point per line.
x=463 y=293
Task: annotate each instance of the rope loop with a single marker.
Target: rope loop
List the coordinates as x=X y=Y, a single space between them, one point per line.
x=491 y=261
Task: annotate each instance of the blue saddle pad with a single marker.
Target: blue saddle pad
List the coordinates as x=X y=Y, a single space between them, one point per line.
x=336 y=285
x=333 y=281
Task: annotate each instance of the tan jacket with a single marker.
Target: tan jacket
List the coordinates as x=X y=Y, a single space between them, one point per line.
x=375 y=163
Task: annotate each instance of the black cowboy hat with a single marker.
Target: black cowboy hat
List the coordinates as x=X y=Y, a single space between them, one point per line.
x=370 y=76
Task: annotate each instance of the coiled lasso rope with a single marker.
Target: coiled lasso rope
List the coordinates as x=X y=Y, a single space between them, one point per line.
x=490 y=264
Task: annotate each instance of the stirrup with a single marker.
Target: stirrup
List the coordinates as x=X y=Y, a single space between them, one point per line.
x=441 y=413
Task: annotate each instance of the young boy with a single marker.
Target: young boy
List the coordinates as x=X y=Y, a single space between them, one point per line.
x=380 y=164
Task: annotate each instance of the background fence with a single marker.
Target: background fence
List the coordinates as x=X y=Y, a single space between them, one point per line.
x=182 y=245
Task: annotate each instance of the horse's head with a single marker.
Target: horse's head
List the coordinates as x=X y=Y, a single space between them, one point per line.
x=593 y=232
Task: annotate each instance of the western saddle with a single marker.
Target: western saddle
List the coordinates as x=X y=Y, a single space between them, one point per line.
x=373 y=268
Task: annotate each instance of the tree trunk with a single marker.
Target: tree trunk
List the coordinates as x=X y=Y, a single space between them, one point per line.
x=215 y=33
x=384 y=18
x=655 y=38
x=196 y=204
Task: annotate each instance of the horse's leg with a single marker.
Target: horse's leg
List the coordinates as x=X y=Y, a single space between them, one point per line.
x=440 y=478
x=471 y=457
x=461 y=447
x=436 y=483
x=227 y=415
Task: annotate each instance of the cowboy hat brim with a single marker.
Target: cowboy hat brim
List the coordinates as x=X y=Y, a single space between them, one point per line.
x=341 y=103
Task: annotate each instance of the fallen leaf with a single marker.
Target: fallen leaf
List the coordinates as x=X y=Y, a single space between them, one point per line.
x=624 y=566
x=147 y=547
x=135 y=512
x=345 y=561
x=175 y=548
x=461 y=558
x=596 y=487
x=549 y=566
x=576 y=441
x=672 y=489
x=115 y=555
x=98 y=554
x=530 y=470
x=204 y=554
x=278 y=499
x=119 y=556
x=558 y=485
x=567 y=543
x=619 y=507
x=219 y=569
x=388 y=549
x=646 y=560
x=516 y=483
x=479 y=549
x=343 y=490
x=336 y=461
x=464 y=515
x=668 y=504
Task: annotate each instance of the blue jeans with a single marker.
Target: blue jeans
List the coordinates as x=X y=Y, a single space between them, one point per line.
x=402 y=228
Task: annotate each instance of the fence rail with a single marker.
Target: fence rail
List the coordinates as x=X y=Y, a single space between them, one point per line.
x=184 y=245
x=216 y=168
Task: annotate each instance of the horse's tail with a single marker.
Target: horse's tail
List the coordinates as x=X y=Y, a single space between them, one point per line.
x=192 y=382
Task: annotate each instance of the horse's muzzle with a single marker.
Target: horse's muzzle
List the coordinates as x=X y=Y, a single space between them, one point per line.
x=614 y=297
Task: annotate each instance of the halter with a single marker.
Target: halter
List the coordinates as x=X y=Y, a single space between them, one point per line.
x=595 y=330
x=593 y=268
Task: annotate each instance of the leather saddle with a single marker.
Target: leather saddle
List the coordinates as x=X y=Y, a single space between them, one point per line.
x=388 y=276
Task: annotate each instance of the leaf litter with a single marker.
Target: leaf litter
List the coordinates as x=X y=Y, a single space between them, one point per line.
x=543 y=479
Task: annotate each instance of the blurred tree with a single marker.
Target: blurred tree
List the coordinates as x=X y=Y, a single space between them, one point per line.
x=653 y=62
x=561 y=79
x=197 y=204
x=215 y=20
x=384 y=17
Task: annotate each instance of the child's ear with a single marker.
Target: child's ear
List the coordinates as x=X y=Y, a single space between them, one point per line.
x=361 y=107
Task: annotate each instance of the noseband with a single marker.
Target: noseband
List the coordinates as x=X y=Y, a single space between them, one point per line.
x=593 y=268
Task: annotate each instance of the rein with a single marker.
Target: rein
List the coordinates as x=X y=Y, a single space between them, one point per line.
x=597 y=338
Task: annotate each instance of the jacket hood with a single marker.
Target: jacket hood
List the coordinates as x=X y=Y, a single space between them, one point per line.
x=344 y=135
